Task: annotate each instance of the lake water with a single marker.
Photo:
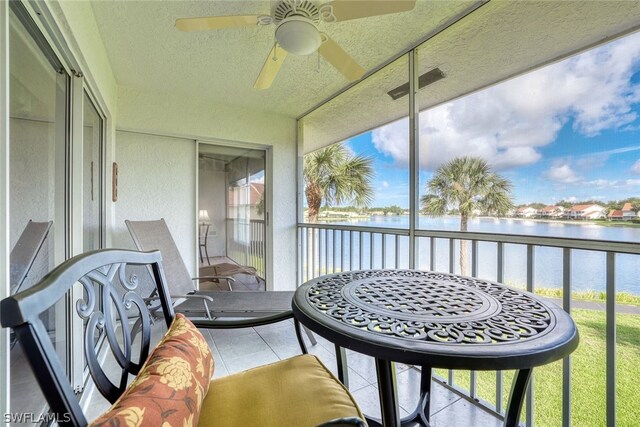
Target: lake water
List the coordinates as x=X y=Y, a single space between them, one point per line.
x=587 y=267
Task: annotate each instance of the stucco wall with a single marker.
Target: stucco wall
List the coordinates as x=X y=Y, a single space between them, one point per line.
x=169 y=114
x=156 y=180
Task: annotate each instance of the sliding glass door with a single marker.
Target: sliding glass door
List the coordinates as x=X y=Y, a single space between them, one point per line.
x=92 y=171
x=38 y=217
x=54 y=212
x=233 y=215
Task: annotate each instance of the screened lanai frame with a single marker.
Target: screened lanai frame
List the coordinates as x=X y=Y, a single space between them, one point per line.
x=414 y=149
x=310 y=236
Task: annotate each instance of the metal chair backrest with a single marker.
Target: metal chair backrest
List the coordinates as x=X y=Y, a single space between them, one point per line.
x=108 y=299
x=155 y=235
x=28 y=248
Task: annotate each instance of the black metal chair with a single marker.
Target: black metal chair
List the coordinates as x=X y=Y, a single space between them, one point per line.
x=115 y=319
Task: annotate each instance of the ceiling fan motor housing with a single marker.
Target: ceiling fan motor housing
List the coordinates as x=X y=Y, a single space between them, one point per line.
x=298 y=35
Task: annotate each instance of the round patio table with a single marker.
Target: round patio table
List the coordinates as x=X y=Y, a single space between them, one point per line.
x=434 y=320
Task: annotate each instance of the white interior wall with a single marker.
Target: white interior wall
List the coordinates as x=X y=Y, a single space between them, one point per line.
x=171 y=114
x=156 y=180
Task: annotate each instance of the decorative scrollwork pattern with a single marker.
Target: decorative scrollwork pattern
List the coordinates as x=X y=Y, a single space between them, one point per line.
x=431 y=307
x=109 y=303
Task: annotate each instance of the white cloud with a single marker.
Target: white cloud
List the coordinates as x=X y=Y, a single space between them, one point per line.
x=385 y=184
x=508 y=123
x=626 y=184
x=562 y=173
x=636 y=167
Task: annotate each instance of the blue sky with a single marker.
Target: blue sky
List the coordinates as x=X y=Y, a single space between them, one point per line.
x=570 y=131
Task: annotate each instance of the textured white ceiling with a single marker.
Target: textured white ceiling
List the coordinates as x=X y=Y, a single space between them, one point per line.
x=497 y=41
x=147 y=51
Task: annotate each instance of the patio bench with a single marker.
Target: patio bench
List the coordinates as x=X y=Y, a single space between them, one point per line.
x=170 y=385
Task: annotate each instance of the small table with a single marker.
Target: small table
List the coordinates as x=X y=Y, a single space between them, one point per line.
x=434 y=320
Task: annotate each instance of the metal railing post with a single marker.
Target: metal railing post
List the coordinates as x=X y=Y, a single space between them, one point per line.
x=500 y=278
x=611 y=339
x=530 y=288
x=473 y=377
x=566 y=362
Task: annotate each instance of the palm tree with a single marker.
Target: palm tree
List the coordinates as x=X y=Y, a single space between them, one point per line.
x=467 y=184
x=334 y=175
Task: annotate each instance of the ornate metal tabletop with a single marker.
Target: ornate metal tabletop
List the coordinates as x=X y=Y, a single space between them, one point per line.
x=435 y=319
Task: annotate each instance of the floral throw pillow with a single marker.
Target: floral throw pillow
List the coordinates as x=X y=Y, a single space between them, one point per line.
x=171 y=386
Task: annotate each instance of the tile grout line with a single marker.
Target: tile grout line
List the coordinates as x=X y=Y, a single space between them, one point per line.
x=265 y=341
x=213 y=341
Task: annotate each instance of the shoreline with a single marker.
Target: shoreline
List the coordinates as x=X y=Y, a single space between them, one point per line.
x=567 y=221
x=602 y=223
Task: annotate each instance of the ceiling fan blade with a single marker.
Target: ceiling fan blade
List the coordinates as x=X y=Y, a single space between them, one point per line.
x=354 y=9
x=341 y=60
x=215 y=22
x=270 y=68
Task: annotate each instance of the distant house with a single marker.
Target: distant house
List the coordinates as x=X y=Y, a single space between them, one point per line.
x=615 y=215
x=628 y=213
x=551 y=212
x=587 y=212
x=625 y=214
x=526 y=212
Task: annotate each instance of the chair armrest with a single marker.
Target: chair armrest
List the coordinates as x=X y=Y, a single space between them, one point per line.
x=214 y=277
x=204 y=297
x=243 y=323
x=344 y=422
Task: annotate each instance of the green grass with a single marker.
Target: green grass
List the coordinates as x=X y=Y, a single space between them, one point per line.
x=621 y=297
x=588 y=379
x=607 y=223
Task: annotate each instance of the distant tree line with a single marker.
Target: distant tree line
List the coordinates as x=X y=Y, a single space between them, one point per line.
x=385 y=210
x=610 y=205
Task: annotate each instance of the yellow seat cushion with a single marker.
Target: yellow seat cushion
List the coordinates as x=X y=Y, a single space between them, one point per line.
x=295 y=392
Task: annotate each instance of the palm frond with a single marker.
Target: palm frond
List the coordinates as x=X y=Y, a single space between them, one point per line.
x=466 y=184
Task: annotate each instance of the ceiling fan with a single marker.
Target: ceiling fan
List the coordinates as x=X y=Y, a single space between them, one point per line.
x=297 y=30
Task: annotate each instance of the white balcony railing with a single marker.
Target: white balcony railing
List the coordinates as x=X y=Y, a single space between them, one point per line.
x=246 y=243
x=327 y=249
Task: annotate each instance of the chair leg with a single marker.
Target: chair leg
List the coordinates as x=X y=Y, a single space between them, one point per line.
x=312 y=337
x=206 y=252
x=201 y=261
x=303 y=346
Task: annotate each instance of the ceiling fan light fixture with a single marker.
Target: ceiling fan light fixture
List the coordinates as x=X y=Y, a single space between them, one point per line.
x=298 y=35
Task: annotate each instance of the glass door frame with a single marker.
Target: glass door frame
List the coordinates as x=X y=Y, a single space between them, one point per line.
x=42 y=26
x=4 y=199
x=268 y=206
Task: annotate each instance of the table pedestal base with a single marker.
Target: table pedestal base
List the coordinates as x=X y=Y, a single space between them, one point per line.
x=389 y=398
x=420 y=416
